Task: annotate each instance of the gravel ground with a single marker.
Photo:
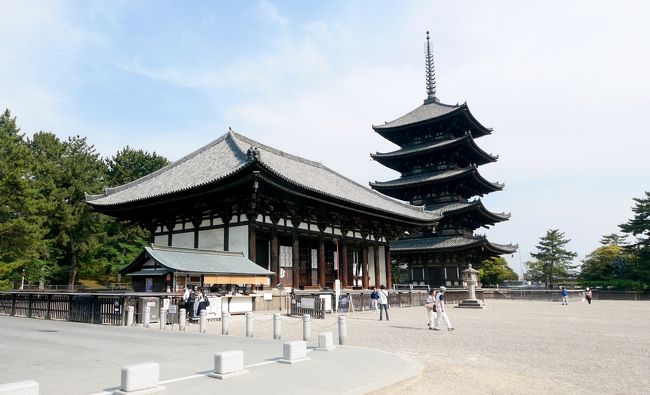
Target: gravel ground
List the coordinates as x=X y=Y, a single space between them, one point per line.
x=510 y=347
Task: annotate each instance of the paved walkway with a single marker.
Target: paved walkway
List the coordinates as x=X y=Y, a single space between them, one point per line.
x=71 y=358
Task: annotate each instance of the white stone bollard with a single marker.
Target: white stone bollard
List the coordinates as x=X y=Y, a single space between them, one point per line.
x=225 y=322
x=294 y=352
x=147 y=316
x=343 y=329
x=228 y=364
x=249 y=324
x=203 y=327
x=129 y=315
x=163 y=317
x=277 y=326
x=325 y=341
x=28 y=387
x=306 y=327
x=181 y=319
x=141 y=378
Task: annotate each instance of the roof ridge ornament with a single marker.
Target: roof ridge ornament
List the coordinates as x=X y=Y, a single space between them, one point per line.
x=253 y=153
x=431 y=75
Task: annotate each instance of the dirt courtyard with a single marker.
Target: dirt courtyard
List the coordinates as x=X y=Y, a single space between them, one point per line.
x=510 y=347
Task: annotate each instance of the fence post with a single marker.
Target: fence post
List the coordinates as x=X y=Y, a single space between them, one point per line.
x=343 y=330
x=181 y=319
x=163 y=317
x=225 y=322
x=29 y=306
x=249 y=324
x=306 y=327
x=147 y=316
x=13 y=304
x=48 y=316
x=69 y=307
x=277 y=326
x=129 y=316
x=363 y=306
x=203 y=321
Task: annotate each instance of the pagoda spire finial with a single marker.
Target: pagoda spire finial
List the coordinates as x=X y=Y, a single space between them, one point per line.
x=431 y=74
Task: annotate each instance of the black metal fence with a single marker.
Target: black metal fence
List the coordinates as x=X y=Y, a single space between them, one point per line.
x=87 y=308
x=311 y=304
x=555 y=295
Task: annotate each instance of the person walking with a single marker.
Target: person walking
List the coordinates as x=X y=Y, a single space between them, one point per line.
x=430 y=304
x=441 y=311
x=383 y=302
x=565 y=296
x=374 y=300
x=588 y=295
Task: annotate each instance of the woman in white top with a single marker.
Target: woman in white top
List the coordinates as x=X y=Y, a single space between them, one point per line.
x=431 y=299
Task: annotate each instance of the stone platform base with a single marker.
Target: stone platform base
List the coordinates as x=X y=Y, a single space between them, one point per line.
x=471 y=304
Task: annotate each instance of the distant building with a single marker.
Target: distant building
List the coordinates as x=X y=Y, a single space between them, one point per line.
x=438 y=160
x=305 y=223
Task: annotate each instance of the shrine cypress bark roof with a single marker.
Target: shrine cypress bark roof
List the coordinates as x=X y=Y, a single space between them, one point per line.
x=233 y=153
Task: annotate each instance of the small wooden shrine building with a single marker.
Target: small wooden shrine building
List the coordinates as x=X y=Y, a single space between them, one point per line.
x=295 y=217
x=438 y=161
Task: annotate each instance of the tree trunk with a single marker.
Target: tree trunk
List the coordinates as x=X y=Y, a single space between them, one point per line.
x=73 y=271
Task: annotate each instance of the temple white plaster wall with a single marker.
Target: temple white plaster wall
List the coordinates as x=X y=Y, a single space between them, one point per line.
x=184 y=240
x=382 y=265
x=211 y=239
x=160 y=240
x=238 y=239
x=371 y=268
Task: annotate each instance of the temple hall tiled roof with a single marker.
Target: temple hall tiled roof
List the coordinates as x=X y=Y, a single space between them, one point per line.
x=227 y=156
x=425 y=112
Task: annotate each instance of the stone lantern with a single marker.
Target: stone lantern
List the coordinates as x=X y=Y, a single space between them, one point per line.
x=470 y=276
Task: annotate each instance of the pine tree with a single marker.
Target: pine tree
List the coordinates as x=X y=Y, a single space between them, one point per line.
x=21 y=229
x=552 y=259
x=495 y=271
x=639 y=227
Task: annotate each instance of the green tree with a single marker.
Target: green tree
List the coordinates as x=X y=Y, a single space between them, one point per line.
x=613 y=239
x=495 y=271
x=552 y=259
x=21 y=229
x=608 y=266
x=130 y=164
x=65 y=171
x=639 y=227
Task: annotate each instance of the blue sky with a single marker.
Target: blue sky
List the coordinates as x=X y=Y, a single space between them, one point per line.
x=564 y=84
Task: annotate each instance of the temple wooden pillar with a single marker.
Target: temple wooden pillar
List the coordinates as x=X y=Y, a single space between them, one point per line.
x=275 y=248
x=321 y=256
x=252 y=236
x=295 y=254
x=226 y=216
x=170 y=227
x=377 y=266
x=343 y=260
x=364 y=262
x=389 y=268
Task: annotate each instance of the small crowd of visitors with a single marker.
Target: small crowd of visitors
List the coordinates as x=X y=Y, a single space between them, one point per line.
x=194 y=300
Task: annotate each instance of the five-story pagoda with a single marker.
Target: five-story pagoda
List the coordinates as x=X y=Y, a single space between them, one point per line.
x=438 y=160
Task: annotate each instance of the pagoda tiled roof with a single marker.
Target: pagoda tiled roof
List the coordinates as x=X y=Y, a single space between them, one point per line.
x=458 y=207
x=449 y=243
x=228 y=155
x=436 y=177
x=427 y=111
x=433 y=147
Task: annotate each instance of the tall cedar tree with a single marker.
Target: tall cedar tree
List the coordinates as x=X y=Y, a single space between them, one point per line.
x=21 y=230
x=65 y=171
x=552 y=259
x=639 y=227
x=124 y=241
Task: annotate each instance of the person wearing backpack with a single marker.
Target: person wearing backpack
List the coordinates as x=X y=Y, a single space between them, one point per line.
x=189 y=304
x=374 y=300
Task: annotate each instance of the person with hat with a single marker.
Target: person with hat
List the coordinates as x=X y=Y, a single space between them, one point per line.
x=441 y=311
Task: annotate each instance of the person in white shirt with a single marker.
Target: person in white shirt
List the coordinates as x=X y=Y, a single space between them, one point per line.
x=441 y=311
x=383 y=302
x=431 y=299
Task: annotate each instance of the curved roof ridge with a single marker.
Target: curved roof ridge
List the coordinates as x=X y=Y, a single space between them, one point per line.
x=321 y=166
x=421 y=113
x=420 y=147
x=111 y=190
x=274 y=150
